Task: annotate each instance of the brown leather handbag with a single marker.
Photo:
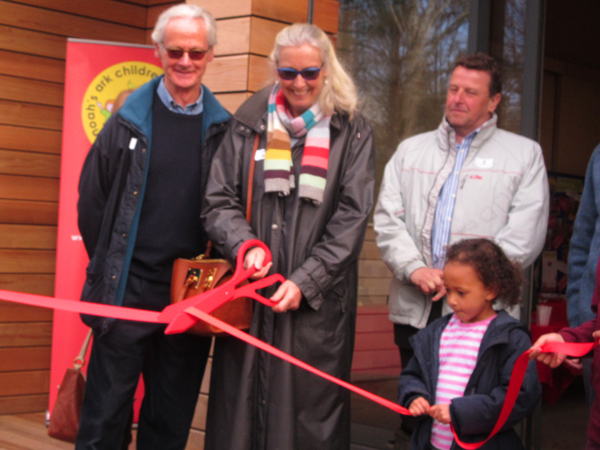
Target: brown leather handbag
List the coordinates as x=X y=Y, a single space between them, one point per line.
x=64 y=421
x=195 y=276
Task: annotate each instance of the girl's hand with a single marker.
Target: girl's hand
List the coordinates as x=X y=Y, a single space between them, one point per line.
x=441 y=413
x=419 y=407
x=288 y=295
x=255 y=257
x=551 y=359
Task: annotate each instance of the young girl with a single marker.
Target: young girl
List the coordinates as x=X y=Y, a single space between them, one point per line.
x=463 y=361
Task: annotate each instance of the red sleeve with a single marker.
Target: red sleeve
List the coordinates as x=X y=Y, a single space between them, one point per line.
x=583 y=333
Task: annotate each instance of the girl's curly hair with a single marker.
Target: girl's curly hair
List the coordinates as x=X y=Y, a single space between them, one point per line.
x=493 y=267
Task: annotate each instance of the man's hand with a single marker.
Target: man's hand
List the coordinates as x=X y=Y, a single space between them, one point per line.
x=429 y=281
x=419 y=407
x=288 y=296
x=551 y=359
x=441 y=413
x=255 y=257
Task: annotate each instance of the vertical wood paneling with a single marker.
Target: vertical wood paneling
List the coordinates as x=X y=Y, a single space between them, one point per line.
x=33 y=35
x=326 y=15
x=260 y=73
x=225 y=8
x=263 y=34
x=64 y=24
x=289 y=12
x=233 y=35
x=155 y=11
x=31 y=67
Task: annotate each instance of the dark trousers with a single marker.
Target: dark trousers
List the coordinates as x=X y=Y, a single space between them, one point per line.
x=402 y=335
x=172 y=367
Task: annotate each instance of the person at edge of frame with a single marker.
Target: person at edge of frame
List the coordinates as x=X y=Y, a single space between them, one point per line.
x=140 y=195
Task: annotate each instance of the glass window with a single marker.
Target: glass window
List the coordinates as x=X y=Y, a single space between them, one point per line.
x=401 y=54
x=507 y=46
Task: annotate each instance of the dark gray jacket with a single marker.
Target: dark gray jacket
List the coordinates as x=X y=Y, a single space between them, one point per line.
x=317 y=247
x=475 y=414
x=112 y=186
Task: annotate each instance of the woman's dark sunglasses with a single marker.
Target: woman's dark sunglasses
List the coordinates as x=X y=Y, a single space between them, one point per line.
x=177 y=53
x=309 y=74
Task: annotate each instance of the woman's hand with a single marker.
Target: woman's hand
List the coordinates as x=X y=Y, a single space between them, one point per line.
x=419 y=407
x=441 y=413
x=288 y=296
x=551 y=359
x=255 y=257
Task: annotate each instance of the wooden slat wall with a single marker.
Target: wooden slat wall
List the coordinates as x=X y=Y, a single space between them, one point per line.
x=375 y=354
x=33 y=36
x=374 y=276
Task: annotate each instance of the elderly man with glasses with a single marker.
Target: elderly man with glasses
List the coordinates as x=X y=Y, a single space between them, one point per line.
x=141 y=190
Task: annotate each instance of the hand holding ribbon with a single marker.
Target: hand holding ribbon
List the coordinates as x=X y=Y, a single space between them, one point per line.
x=211 y=300
x=182 y=315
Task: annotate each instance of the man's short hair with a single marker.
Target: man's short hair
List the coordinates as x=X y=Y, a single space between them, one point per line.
x=185 y=10
x=481 y=61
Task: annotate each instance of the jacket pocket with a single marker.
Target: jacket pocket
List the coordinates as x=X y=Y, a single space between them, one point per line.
x=339 y=293
x=94 y=286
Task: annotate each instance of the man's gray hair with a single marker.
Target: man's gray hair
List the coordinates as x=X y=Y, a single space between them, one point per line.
x=191 y=11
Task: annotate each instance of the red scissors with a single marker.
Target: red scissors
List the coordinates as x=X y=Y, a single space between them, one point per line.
x=179 y=321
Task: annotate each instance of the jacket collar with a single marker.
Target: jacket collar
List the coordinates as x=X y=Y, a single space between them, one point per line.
x=257 y=103
x=447 y=136
x=138 y=108
x=497 y=332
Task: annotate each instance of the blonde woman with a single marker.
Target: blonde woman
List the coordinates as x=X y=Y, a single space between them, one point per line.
x=312 y=195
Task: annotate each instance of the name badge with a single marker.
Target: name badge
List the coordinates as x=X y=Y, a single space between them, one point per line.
x=260 y=154
x=132 y=143
x=484 y=163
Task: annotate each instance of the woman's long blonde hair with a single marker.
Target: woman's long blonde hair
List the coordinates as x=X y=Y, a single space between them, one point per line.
x=339 y=91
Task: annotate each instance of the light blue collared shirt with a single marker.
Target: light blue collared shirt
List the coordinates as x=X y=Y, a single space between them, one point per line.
x=192 y=109
x=440 y=234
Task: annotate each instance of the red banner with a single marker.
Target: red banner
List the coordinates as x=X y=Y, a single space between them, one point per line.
x=96 y=72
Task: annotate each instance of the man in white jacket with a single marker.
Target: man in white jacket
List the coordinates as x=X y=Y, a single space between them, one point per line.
x=467 y=179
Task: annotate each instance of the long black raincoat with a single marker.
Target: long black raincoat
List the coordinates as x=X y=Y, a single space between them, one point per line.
x=258 y=401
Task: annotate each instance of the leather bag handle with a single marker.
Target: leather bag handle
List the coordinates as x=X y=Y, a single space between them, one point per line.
x=80 y=359
x=251 y=180
x=249 y=193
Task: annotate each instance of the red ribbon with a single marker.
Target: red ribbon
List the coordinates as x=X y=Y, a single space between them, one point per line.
x=196 y=311
x=181 y=316
x=576 y=350
x=514 y=386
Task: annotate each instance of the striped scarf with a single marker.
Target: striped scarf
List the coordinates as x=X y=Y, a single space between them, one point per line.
x=278 y=165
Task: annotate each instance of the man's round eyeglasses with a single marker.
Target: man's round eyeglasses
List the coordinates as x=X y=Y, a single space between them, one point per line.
x=177 y=53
